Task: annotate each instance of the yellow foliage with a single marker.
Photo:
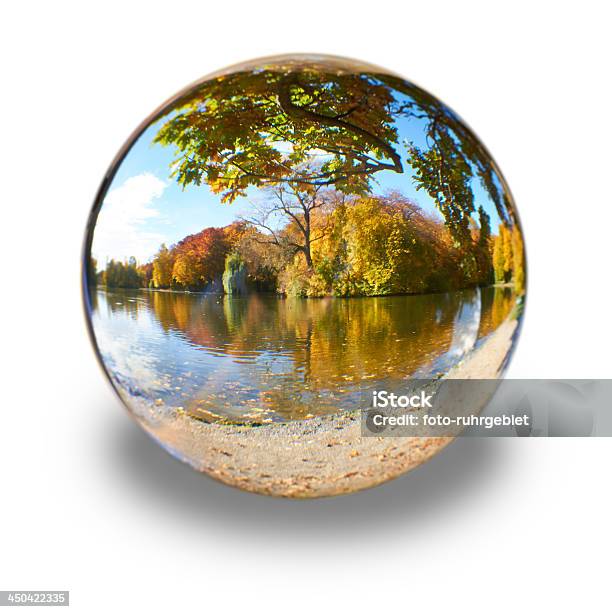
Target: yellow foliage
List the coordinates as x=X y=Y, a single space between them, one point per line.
x=518 y=260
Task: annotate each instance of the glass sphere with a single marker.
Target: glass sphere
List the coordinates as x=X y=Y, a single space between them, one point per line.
x=280 y=240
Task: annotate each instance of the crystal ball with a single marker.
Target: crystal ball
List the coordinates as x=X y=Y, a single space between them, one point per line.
x=282 y=240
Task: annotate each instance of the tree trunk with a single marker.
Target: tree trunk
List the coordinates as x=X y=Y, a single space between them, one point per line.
x=307 y=252
x=307 y=255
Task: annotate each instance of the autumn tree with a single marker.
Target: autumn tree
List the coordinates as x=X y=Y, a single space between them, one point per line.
x=122 y=274
x=484 y=234
x=445 y=132
x=200 y=258
x=262 y=261
x=163 y=263
x=234 y=232
x=92 y=272
x=483 y=248
x=518 y=261
x=503 y=254
x=234 y=275
x=298 y=205
x=230 y=131
x=498 y=259
x=145 y=271
x=375 y=246
x=392 y=246
x=505 y=234
x=444 y=173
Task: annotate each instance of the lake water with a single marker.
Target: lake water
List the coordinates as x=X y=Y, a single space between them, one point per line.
x=262 y=358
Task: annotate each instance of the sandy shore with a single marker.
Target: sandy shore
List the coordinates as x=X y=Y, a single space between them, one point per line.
x=316 y=457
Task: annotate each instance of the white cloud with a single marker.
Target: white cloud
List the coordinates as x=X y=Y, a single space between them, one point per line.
x=121 y=228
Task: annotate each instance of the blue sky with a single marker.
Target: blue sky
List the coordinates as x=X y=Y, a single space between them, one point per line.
x=145 y=207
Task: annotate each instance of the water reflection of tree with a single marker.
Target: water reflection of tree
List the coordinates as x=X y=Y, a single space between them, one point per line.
x=92 y=296
x=129 y=302
x=328 y=341
x=497 y=304
x=327 y=348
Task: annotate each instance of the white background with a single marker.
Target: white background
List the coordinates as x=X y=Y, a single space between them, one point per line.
x=87 y=503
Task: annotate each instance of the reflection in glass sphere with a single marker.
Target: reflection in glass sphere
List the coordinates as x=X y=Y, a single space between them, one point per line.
x=279 y=241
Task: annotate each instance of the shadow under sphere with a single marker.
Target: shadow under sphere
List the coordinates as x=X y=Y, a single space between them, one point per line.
x=430 y=492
